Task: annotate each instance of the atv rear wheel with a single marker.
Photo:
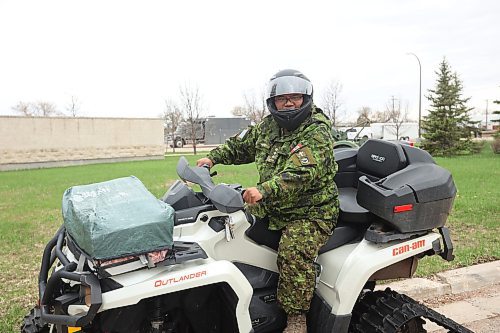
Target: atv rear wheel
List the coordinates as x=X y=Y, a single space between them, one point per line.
x=415 y=325
x=384 y=312
x=32 y=323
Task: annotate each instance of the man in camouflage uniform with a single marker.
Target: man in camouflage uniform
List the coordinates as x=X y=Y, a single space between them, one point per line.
x=293 y=151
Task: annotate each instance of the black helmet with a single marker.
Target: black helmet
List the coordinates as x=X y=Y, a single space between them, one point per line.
x=289 y=81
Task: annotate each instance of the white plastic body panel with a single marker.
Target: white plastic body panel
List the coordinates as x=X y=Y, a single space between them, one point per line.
x=346 y=269
x=240 y=249
x=168 y=279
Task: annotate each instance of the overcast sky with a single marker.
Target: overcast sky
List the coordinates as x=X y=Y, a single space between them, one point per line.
x=124 y=58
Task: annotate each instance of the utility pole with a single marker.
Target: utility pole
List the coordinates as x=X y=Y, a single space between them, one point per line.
x=486 y=127
x=419 y=94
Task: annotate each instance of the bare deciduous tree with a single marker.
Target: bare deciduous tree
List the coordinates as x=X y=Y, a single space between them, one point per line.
x=24 y=109
x=46 y=109
x=331 y=101
x=191 y=107
x=73 y=107
x=396 y=116
x=38 y=109
x=364 y=116
x=238 y=111
x=255 y=106
x=172 y=116
x=380 y=117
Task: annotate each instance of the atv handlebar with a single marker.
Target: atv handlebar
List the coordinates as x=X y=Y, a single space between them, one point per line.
x=208 y=167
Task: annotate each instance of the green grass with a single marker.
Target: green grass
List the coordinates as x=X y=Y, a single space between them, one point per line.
x=475 y=219
x=30 y=213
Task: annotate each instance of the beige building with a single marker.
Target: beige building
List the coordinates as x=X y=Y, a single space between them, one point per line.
x=35 y=142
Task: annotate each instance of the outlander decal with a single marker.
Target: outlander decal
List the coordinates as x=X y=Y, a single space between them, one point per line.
x=170 y=281
x=405 y=248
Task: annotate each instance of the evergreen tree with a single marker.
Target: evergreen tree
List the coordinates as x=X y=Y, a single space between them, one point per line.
x=497 y=120
x=447 y=127
x=496 y=142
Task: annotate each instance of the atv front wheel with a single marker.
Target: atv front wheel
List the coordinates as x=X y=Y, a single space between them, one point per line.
x=32 y=323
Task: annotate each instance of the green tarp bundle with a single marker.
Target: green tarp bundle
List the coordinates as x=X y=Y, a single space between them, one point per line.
x=117 y=218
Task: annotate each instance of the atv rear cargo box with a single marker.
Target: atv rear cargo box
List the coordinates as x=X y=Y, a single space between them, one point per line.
x=417 y=197
x=400 y=184
x=117 y=218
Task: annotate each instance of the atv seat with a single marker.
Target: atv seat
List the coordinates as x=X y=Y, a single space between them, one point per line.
x=260 y=234
x=354 y=163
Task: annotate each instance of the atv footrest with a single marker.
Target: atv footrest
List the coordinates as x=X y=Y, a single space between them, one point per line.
x=184 y=251
x=378 y=233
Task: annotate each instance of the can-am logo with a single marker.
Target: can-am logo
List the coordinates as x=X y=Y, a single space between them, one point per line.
x=407 y=247
x=378 y=158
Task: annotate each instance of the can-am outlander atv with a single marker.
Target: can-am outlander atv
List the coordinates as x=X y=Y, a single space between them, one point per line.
x=219 y=273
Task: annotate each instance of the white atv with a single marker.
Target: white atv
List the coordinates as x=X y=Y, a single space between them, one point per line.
x=221 y=273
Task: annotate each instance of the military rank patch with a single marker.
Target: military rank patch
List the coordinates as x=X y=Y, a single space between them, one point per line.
x=297 y=147
x=303 y=156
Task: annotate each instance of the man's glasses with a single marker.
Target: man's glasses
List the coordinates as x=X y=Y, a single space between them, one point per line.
x=284 y=99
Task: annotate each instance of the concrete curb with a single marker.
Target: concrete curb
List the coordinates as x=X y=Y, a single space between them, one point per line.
x=450 y=282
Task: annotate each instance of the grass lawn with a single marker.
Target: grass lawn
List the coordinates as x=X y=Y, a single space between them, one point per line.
x=475 y=219
x=30 y=213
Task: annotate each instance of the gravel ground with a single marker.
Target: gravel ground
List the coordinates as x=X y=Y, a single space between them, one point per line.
x=486 y=325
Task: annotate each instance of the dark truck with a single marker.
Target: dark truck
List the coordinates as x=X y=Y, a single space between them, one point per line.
x=209 y=131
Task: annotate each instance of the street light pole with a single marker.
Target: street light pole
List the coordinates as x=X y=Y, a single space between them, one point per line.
x=419 y=95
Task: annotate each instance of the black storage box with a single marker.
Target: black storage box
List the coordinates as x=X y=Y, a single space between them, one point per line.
x=418 y=197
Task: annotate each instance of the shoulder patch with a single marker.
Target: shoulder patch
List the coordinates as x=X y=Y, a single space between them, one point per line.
x=303 y=157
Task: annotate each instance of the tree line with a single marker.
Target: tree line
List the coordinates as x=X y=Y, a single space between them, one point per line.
x=447 y=129
x=47 y=109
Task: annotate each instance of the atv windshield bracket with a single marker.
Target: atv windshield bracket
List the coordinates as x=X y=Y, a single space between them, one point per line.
x=447 y=253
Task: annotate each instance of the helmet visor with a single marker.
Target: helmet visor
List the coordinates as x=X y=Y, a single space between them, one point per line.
x=288 y=85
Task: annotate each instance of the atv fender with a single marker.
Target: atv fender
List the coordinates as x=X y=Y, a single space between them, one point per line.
x=163 y=280
x=347 y=268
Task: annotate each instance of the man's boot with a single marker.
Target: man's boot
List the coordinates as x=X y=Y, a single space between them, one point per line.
x=296 y=324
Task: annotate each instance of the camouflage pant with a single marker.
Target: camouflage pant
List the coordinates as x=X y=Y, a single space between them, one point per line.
x=299 y=246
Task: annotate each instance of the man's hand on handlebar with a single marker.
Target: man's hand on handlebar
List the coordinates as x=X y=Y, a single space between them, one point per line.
x=252 y=195
x=205 y=161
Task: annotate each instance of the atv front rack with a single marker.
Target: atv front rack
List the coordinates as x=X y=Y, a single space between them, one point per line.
x=49 y=287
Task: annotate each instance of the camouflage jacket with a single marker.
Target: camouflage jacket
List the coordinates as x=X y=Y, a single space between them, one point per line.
x=296 y=169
